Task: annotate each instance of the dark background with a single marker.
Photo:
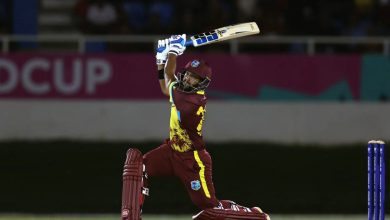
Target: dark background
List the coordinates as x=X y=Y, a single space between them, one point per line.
x=85 y=177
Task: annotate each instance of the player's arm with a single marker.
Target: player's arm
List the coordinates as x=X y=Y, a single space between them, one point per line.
x=162 y=80
x=176 y=47
x=169 y=70
x=169 y=73
x=161 y=59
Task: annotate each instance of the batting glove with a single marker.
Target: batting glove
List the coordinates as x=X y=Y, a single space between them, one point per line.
x=162 y=51
x=177 y=44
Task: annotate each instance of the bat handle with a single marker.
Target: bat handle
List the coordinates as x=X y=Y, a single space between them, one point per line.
x=189 y=43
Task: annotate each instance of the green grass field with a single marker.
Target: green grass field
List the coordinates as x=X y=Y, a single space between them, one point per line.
x=171 y=217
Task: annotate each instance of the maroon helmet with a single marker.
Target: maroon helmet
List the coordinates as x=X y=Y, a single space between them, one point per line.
x=199 y=68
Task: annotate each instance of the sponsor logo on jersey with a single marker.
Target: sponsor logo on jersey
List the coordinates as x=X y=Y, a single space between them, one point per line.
x=195 y=185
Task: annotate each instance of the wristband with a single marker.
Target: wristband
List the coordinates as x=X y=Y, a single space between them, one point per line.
x=161 y=74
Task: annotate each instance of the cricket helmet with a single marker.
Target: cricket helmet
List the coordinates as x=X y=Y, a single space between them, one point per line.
x=201 y=69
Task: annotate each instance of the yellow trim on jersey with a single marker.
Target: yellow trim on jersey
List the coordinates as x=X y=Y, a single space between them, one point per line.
x=201 y=174
x=201 y=111
x=201 y=92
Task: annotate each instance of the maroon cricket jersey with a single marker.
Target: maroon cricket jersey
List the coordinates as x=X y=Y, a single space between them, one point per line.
x=187 y=116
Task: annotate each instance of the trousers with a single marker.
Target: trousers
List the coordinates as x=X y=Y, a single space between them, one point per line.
x=193 y=168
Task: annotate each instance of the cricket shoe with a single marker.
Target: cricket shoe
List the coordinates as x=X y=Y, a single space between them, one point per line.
x=257 y=209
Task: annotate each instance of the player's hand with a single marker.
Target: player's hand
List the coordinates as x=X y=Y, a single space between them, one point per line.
x=162 y=51
x=177 y=44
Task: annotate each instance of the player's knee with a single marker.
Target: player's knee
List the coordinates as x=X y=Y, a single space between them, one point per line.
x=133 y=155
x=133 y=152
x=134 y=185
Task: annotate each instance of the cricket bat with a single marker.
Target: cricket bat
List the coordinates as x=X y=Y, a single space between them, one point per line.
x=223 y=33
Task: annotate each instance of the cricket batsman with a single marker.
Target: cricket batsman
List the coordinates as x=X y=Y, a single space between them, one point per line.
x=184 y=154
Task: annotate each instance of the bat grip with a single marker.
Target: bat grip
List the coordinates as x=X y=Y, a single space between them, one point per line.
x=189 y=43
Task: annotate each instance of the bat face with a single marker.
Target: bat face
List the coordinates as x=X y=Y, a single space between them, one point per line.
x=225 y=33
